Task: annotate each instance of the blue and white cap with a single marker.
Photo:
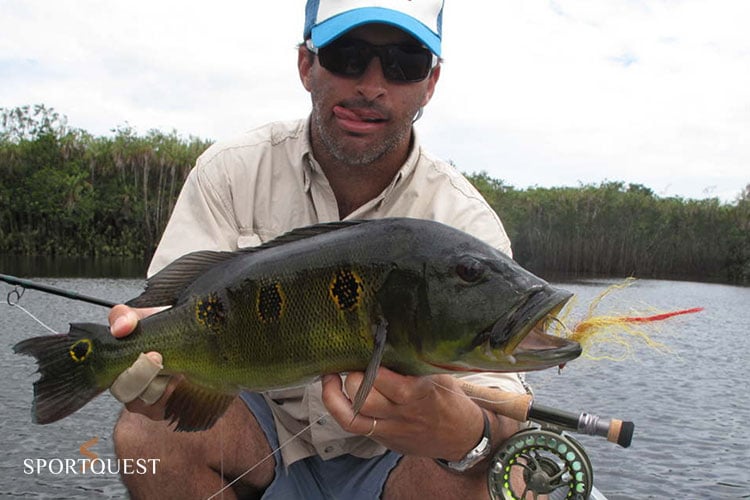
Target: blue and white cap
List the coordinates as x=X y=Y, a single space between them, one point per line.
x=326 y=20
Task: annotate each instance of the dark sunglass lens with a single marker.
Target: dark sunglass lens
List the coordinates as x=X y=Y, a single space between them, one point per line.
x=345 y=57
x=406 y=63
x=400 y=63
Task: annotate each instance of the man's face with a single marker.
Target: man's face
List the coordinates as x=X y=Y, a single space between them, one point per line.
x=361 y=120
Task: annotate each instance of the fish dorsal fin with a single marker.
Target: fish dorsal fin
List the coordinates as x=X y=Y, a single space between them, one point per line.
x=305 y=232
x=194 y=407
x=165 y=287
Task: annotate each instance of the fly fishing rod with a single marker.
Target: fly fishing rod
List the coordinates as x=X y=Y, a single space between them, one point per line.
x=522 y=407
x=19 y=282
x=519 y=407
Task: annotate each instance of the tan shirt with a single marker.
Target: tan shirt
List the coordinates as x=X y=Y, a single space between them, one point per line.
x=266 y=182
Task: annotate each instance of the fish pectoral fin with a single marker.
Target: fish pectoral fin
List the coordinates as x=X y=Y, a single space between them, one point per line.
x=165 y=287
x=371 y=371
x=195 y=407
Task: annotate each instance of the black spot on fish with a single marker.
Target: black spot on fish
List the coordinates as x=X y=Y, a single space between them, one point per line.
x=209 y=311
x=80 y=350
x=271 y=301
x=346 y=289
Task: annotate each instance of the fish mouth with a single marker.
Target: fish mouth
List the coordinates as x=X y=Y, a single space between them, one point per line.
x=521 y=334
x=518 y=341
x=540 y=303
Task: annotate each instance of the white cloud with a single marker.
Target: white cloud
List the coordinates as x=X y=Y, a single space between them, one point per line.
x=654 y=93
x=535 y=93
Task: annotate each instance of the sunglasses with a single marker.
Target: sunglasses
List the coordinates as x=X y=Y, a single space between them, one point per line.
x=400 y=62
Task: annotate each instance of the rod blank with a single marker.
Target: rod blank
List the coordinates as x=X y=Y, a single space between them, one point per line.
x=55 y=291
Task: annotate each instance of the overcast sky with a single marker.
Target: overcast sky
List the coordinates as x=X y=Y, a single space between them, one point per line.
x=546 y=93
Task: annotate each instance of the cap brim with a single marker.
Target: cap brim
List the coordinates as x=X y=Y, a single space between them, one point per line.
x=330 y=29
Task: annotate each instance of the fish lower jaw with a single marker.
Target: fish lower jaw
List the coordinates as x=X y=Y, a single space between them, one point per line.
x=489 y=362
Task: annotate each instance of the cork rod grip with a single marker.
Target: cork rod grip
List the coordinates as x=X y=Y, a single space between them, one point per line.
x=508 y=404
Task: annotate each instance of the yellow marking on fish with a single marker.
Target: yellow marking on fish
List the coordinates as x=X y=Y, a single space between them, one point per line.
x=80 y=350
x=209 y=312
x=346 y=289
x=271 y=302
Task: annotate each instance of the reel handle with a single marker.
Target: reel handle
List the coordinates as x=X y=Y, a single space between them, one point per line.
x=521 y=407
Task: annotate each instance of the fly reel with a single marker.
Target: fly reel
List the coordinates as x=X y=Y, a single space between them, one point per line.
x=552 y=464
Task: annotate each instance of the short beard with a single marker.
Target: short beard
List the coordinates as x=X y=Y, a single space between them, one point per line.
x=355 y=158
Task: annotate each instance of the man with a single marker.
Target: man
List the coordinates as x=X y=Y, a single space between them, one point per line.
x=370 y=67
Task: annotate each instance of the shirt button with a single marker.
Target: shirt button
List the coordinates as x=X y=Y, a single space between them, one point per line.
x=322 y=421
x=328 y=449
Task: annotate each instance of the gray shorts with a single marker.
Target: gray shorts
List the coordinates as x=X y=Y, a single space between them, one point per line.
x=345 y=477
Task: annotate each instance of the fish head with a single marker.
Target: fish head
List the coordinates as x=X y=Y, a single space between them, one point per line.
x=490 y=314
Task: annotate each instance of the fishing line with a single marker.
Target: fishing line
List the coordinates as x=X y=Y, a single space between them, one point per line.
x=310 y=425
x=15 y=303
x=221 y=455
x=273 y=452
x=475 y=398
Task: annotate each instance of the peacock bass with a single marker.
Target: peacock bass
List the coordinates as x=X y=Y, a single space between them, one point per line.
x=416 y=296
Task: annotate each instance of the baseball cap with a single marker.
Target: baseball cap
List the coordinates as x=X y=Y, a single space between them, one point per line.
x=326 y=20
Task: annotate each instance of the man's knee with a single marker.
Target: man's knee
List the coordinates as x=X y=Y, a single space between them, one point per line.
x=135 y=435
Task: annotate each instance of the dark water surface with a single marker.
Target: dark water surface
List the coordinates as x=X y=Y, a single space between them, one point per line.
x=689 y=406
x=23 y=266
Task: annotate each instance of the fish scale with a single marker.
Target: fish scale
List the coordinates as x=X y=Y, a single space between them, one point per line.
x=416 y=296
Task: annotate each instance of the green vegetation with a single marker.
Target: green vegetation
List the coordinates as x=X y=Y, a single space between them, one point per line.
x=615 y=229
x=64 y=192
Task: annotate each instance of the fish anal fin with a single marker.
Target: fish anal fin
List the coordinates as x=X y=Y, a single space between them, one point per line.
x=379 y=338
x=194 y=407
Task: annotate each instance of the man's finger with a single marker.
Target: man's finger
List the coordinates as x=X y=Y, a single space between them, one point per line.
x=122 y=320
x=134 y=381
x=375 y=403
x=340 y=407
x=402 y=389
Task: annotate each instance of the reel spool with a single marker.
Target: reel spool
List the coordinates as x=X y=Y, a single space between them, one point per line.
x=553 y=464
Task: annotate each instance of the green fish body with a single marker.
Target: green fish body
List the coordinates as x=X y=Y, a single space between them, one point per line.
x=416 y=296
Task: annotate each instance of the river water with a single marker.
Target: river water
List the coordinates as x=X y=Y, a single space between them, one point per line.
x=689 y=405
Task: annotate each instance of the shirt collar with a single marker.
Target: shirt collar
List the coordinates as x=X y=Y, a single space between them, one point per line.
x=309 y=165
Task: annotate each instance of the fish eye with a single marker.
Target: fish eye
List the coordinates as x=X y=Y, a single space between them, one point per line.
x=470 y=269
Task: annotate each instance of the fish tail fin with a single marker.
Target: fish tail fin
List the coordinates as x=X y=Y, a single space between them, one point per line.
x=68 y=368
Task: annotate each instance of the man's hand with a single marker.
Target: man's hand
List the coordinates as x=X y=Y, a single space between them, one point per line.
x=151 y=399
x=425 y=416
